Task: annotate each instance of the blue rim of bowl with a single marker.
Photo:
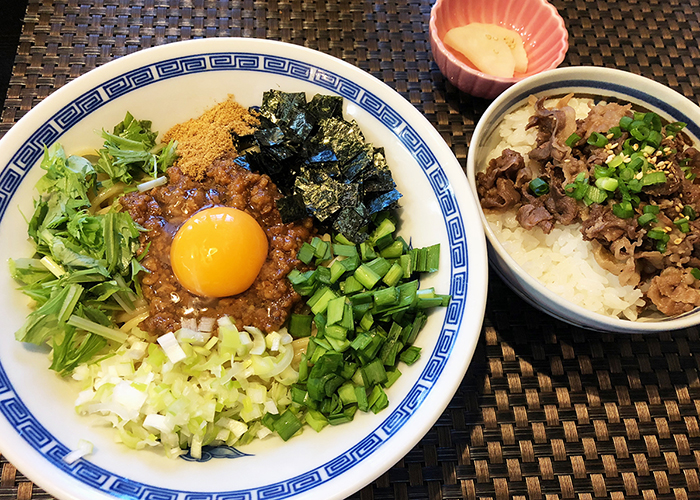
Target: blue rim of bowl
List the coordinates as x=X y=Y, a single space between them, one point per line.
x=571 y=83
x=29 y=427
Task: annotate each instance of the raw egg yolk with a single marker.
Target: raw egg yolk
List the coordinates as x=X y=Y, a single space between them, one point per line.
x=218 y=252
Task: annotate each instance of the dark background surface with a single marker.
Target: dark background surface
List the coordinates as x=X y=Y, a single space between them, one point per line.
x=11 y=15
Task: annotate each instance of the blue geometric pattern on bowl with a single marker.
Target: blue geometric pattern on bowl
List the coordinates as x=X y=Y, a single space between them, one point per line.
x=30 y=152
x=209 y=452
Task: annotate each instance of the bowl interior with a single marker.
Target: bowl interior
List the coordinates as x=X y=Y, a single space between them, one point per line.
x=601 y=84
x=538 y=23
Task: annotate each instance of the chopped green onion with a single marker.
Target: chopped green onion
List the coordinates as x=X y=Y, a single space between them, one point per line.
x=572 y=139
x=637 y=163
x=654 y=139
x=344 y=250
x=539 y=186
x=393 y=251
x=300 y=325
x=334 y=311
x=657 y=234
x=689 y=212
x=394 y=275
x=616 y=161
x=321 y=299
x=306 y=253
x=695 y=272
x=597 y=139
x=594 y=195
x=653 y=121
x=607 y=183
x=351 y=285
x=651 y=209
x=410 y=355
x=682 y=225
x=616 y=132
x=601 y=171
x=367 y=276
x=623 y=209
x=673 y=128
x=374 y=373
x=336 y=271
x=635 y=186
x=386 y=296
x=646 y=218
x=287 y=424
x=648 y=150
x=379 y=265
x=653 y=178
x=626 y=122
x=626 y=174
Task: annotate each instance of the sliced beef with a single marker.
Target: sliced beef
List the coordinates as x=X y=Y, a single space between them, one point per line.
x=498 y=185
x=619 y=259
x=603 y=225
x=554 y=128
x=562 y=207
x=674 y=291
x=535 y=214
x=601 y=118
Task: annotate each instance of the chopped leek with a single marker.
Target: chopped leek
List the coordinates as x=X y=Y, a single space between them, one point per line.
x=208 y=397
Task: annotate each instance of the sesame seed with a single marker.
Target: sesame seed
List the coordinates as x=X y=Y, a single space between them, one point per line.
x=667 y=229
x=668 y=138
x=615 y=145
x=658 y=153
x=638 y=176
x=610 y=158
x=609 y=136
x=635 y=147
x=678 y=241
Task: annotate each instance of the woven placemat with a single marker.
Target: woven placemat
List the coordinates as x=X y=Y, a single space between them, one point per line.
x=546 y=410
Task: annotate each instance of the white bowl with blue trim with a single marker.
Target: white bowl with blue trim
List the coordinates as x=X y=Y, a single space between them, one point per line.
x=600 y=84
x=168 y=85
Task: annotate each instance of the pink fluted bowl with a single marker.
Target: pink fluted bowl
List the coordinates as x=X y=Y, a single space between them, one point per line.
x=538 y=22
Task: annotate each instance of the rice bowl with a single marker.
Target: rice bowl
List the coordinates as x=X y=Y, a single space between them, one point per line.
x=520 y=270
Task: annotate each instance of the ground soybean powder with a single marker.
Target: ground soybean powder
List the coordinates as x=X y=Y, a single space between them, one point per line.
x=202 y=140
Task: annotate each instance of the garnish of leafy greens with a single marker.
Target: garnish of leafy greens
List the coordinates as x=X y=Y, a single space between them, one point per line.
x=82 y=276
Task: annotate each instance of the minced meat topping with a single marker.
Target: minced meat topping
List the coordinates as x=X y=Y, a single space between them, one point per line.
x=269 y=300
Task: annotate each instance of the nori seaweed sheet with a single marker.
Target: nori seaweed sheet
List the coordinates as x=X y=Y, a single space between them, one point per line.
x=320 y=162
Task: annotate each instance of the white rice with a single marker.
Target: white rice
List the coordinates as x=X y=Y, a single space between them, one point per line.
x=561 y=260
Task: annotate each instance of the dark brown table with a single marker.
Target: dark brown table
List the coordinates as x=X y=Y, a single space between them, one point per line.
x=546 y=410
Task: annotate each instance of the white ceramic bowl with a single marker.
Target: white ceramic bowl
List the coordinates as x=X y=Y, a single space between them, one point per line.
x=168 y=85
x=601 y=84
